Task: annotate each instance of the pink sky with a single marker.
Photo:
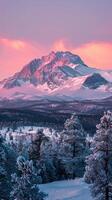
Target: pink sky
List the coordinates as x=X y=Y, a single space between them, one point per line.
x=16 y=53
x=32 y=28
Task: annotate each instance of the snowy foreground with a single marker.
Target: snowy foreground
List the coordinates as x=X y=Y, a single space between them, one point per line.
x=67 y=190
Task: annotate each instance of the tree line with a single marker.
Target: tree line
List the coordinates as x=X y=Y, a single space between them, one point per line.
x=58 y=156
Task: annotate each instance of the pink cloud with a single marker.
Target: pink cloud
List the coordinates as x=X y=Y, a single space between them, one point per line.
x=14 y=44
x=60 y=45
x=16 y=53
x=97 y=54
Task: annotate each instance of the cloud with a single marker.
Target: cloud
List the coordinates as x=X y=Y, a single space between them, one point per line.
x=60 y=45
x=97 y=54
x=14 y=44
x=16 y=53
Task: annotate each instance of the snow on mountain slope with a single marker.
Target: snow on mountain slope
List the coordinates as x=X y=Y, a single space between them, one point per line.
x=107 y=76
x=67 y=190
x=25 y=92
x=74 y=89
x=69 y=71
x=52 y=69
x=48 y=70
x=71 y=89
x=85 y=70
x=61 y=76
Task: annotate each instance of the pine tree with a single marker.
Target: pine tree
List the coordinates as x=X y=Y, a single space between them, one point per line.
x=35 y=147
x=47 y=155
x=3 y=172
x=76 y=134
x=7 y=163
x=72 y=148
x=41 y=152
x=99 y=162
x=25 y=184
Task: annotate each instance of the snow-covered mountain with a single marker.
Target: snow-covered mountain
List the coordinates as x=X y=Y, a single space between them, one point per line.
x=51 y=69
x=61 y=75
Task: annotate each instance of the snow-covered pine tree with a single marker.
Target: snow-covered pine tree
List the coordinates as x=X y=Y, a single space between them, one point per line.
x=41 y=152
x=25 y=184
x=7 y=163
x=47 y=155
x=34 y=149
x=99 y=162
x=35 y=155
x=3 y=172
x=72 y=146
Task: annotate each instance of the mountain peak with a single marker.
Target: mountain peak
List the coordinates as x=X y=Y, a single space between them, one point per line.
x=62 y=55
x=52 y=69
x=58 y=74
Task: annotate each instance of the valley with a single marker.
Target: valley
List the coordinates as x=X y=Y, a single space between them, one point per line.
x=53 y=113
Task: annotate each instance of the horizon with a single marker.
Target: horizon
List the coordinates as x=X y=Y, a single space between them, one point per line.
x=31 y=29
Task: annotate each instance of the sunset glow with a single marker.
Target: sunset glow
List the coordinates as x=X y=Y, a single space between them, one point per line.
x=31 y=29
x=15 y=54
x=97 y=54
x=15 y=44
x=55 y=82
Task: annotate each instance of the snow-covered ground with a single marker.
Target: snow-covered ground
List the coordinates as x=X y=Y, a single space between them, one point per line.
x=67 y=190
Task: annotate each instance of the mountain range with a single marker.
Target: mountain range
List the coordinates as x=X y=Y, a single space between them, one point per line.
x=57 y=76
